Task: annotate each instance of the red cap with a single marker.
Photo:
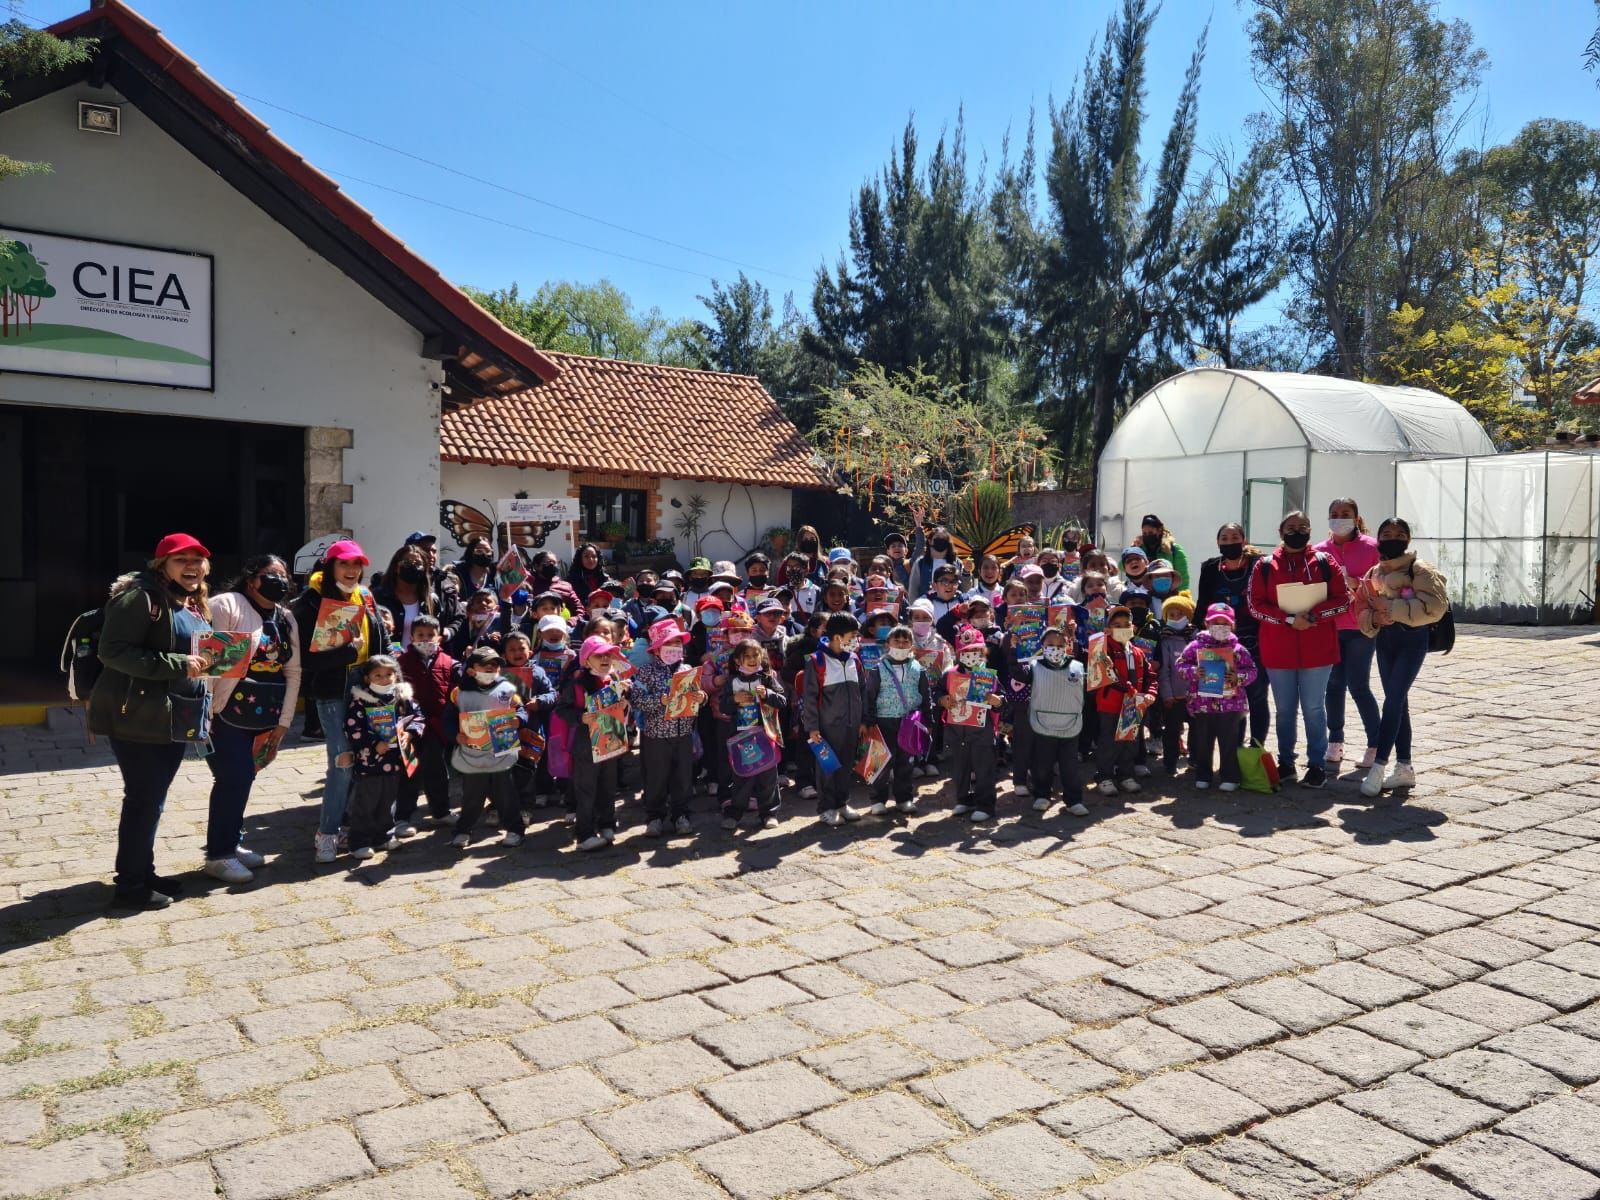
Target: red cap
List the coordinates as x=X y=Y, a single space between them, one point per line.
x=709 y=602
x=346 y=550
x=177 y=543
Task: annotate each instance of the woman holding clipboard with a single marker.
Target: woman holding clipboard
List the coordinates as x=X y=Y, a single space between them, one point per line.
x=1296 y=593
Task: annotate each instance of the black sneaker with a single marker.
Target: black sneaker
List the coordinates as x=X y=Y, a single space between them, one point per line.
x=1314 y=777
x=145 y=899
x=167 y=885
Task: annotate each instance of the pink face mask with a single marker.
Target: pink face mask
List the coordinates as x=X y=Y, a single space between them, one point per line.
x=671 y=654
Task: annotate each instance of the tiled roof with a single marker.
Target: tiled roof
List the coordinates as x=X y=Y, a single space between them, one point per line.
x=603 y=414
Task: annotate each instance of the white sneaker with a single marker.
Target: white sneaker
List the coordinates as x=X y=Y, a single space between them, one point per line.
x=961 y=810
x=684 y=826
x=1142 y=771
x=981 y=816
x=327 y=847
x=391 y=844
x=508 y=838
x=249 y=858
x=229 y=870
x=1106 y=787
x=1132 y=785
x=610 y=835
x=1079 y=809
x=909 y=806
x=1372 y=785
x=593 y=843
x=831 y=817
x=1368 y=757
x=879 y=808
x=461 y=841
x=1202 y=784
x=1021 y=789
x=850 y=813
x=655 y=828
x=770 y=823
x=1227 y=787
x=1335 y=754
x=1403 y=776
x=362 y=852
x=405 y=829
x=808 y=792
x=1042 y=804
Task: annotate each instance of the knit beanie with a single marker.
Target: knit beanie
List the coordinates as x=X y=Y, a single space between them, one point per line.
x=1178 y=606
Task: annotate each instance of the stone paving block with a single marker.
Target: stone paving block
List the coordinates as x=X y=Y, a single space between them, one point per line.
x=919 y=1000
x=1507 y=1168
x=764 y=1096
x=1548 y=984
x=655 y=1128
x=663 y=1067
x=236 y=1074
x=1022 y=1160
x=1240 y=960
x=1482 y=946
x=1421 y=1110
x=1168 y=980
x=1338 y=1143
x=202 y=1130
x=919 y=1177
x=315 y=1158
x=662 y=1020
x=839 y=1016
x=1503 y=1080
x=193 y=1043
x=1362 y=985
x=1189 y=1105
x=757 y=1039
x=428 y=1181
x=756 y=995
x=570 y=1042
x=541 y=1160
x=987 y=984
x=295 y=1021
x=968 y=949
x=882 y=1127
x=1091 y=1002
x=192 y=1181
x=890 y=965
x=1218 y=1024
x=672 y=1180
x=1566 y=1126
x=1137 y=1045
x=1063 y=1068
x=395 y=1136
x=1166 y=1180
x=469 y=1021
x=1015 y=1023
x=1422 y=1029
x=777 y=1162
x=62 y=1164
x=387 y=1043
x=547 y=1097
x=23 y=1120
x=1255 y=1171
x=867 y=1062
x=1412 y=1183
x=985 y=1092
x=157 y=1094
x=945 y=1040
x=1296 y=1006
x=1575 y=1059
x=579 y=997
x=345 y=1094
x=1500 y=1010
x=467 y=1065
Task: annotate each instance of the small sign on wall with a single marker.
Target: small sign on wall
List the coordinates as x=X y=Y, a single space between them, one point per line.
x=522 y=509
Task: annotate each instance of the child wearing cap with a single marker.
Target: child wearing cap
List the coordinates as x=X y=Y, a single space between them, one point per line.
x=1122 y=682
x=483 y=761
x=969 y=727
x=833 y=710
x=896 y=689
x=380 y=718
x=593 y=685
x=751 y=691
x=935 y=656
x=1218 y=669
x=1054 y=715
x=538 y=694
x=1147 y=637
x=1172 y=689
x=666 y=744
x=429 y=671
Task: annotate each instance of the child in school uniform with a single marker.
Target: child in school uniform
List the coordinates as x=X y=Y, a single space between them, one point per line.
x=1218 y=702
x=1123 y=684
x=1172 y=689
x=553 y=655
x=1055 y=715
x=666 y=744
x=969 y=728
x=485 y=767
x=896 y=689
x=379 y=718
x=935 y=656
x=428 y=670
x=594 y=784
x=833 y=710
x=538 y=695
x=752 y=690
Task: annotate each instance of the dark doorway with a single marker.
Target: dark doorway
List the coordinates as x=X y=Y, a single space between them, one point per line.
x=85 y=496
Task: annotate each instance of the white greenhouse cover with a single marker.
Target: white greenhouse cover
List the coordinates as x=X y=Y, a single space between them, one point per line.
x=1213 y=410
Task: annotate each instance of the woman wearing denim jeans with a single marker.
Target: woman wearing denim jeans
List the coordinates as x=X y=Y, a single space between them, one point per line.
x=1299 y=649
x=326 y=656
x=1396 y=602
x=1356 y=551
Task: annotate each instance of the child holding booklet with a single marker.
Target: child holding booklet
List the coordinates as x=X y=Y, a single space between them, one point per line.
x=1218 y=669
x=832 y=712
x=752 y=698
x=538 y=696
x=1056 y=716
x=667 y=697
x=1123 y=683
x=968 y=696
x=593 y=701
x=896 y=692
x=380 y=719
x=483 y=718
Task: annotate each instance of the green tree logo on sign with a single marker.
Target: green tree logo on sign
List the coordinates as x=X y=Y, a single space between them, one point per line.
x=23 y=287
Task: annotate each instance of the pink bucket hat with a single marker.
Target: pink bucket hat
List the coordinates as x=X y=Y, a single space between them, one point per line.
x=664 y=632
x=595 y=644
x=970 y=639
x=1219 y=612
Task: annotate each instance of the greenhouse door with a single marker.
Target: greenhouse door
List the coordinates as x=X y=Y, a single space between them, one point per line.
x=1265 y=503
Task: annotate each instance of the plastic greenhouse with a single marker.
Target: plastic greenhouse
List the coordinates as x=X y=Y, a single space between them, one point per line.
x=1215 y=445
x=1516 y=533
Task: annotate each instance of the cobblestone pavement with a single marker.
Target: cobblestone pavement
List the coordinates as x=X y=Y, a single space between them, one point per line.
x=1189 y=997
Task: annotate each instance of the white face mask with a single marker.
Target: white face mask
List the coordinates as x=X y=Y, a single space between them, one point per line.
x=381 y=689
x=1341 y=526
x=973 y=660
x=486 y=677
x=1122 y=634
x=554 y=643
x=1178 y=623
x=1054 y=655
x=1220 y=631
x=979 y=622
x=427 y=649
x=671 y=654
x=900 y=653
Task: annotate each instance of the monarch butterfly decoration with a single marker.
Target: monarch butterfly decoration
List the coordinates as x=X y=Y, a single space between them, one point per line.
x=463 y=521
x=1003 y=546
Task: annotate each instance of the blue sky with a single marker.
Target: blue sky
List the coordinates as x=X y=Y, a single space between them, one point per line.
x=740 y=130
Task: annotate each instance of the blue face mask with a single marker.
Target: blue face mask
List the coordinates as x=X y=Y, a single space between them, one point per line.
x=711 y=618
x=1161 y=586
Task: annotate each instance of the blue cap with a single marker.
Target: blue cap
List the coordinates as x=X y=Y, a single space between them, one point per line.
x=420 y=535
x=839 y=554
x=519 y=597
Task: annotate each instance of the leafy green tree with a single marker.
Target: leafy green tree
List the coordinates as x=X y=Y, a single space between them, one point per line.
x=542 y=324
x=1243 y=257
x=22 y=286
x=739 y=336
x=597 y=319
x=28 y=51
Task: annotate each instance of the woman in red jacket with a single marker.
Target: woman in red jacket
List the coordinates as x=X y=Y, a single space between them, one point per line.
x=1299 y=643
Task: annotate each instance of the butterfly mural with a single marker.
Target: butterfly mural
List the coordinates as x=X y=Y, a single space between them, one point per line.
x=463 y=521
x=1004 y=547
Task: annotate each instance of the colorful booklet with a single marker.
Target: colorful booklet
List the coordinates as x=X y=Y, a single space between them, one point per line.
x=228 y=652
x=826 y=758
x=262 y=750
x=984 y=681
x=871 y=655
x=1215 y=674
x=521 y=678
x=338 y=622
x=1059 y=615
x=383 y=719
x=683 y=697
x=1026 y=621
x=408 y=754
x=512 y=573
x=531 y=743
x=608 y=732
x=872 y=755
x=746 y=710
x=967 y=710
x=1072 y=571
x=494 y=730
x=1101 y=672
x=1128 y=719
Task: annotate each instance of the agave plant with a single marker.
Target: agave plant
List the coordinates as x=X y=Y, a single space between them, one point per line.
x=980 y=513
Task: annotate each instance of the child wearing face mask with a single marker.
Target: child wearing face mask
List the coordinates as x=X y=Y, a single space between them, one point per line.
x=538 y=694
x=485 y=770
x=666 y=744
x=1055 y=715
x=1122 y=682
x=1172 y=689
x=934 y=655
x=969 y=728
x=752 y=698
x=594 y=784
x=379 y=717
x=1147 y=638
x=428 y=670
x=895 y=689
x=833 y=710
x=1054 y=588
x=1217 y=698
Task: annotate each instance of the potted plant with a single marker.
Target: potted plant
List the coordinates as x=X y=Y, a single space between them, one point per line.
x=778 y=539
x=615 y=533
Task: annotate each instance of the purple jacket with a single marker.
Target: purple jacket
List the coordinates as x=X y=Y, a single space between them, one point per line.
x=1244 y=666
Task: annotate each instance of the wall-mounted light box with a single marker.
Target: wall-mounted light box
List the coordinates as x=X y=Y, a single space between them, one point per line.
x=99 y=118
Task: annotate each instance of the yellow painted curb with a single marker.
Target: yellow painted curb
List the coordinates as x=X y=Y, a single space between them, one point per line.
x=24 y=714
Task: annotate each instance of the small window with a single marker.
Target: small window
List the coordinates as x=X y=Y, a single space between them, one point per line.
x=603 y=506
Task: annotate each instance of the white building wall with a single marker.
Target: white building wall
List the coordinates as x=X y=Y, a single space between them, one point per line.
x=296 y=341
x=736 y=517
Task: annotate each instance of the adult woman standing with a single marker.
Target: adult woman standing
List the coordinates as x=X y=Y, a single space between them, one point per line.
x=929 y=552
x=1356 y=551
x=1225 y=579
x=258 y=705
x=1156 y=543
x=408 y=590
x=1399 y=598
x=144 y=646
x=326 y=656
x=1299 y=648
x=586 y=573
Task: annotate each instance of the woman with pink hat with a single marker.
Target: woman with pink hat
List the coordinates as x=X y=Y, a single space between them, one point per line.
x=666 y=738
x=1219 y=670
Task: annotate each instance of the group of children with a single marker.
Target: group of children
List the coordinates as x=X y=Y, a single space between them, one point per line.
x=716 y=681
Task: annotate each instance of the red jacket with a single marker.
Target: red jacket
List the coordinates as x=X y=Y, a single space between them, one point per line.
x=430 y=687
x=1284 y=648
x=1142 y=676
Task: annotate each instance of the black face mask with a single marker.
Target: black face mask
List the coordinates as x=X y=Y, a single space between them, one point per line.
x=1232 y=551
x=1069 y=545
x=1297 y=541
x=1152 y=541
x=1392 y=547
x=809 y=546
x=1051 y=570
x=941 y=547
x=409 y=573
x=546 y=572
x=1140 y=616
x=758 y=581
x=273 y=588
x=481 y=560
